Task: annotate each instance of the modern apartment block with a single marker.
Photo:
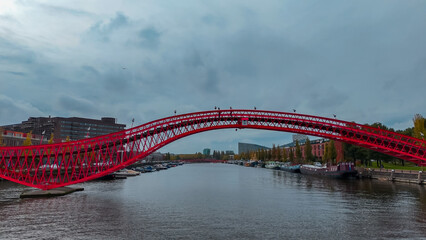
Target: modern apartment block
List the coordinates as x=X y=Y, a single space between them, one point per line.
x=74 y=127
x=249 y=147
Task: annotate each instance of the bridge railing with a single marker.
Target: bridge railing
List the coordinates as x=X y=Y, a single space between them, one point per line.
x=48 y=166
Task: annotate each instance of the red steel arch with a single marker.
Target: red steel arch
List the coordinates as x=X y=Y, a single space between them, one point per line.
x=56 y=165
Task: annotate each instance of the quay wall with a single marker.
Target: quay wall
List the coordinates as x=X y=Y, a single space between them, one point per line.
x=408 y=176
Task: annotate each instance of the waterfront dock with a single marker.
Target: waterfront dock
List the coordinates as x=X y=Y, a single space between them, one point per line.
x=49 y=193
x=407 y=176
x=382 y=174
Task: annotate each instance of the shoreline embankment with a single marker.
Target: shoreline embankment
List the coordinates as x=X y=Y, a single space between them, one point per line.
x=407 y=176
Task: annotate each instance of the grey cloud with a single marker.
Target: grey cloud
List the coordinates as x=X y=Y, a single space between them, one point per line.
x=214 y=20
x=116 y=81
x=21 y=67
x=15 y=73
x=8 y=18
x=193 y=59
x=91 y=70
x=52 y=9
x=12 y=53
x=211 y=83
x=362 y=60
x=76 y=105
x=101 y=30
x=14 y=111
x=413 y=74
x=149 y=38
x=16 y=58
x=329 y=99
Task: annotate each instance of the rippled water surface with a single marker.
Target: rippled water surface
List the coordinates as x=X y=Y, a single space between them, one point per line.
x=219 y=201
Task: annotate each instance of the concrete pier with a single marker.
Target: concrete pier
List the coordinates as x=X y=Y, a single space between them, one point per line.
x=49 y=193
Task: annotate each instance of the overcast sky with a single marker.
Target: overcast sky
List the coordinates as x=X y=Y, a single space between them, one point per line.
x=364 y=61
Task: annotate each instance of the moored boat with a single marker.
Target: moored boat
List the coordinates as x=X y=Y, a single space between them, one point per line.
x=291 y=168
x=140 y=169
x=341 y=170
x=273 y=165
x=111 y=176
x=149 y=168
x=159 y=167
x=126 y=173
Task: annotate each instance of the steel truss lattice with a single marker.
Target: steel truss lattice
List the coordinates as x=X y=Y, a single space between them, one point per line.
x=56 y=165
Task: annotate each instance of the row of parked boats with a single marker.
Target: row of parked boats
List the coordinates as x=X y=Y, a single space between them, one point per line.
x=135 y=171
x=341 y=170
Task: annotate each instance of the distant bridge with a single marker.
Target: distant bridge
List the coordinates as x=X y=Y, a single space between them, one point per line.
x=201 y=161
x=56 y=165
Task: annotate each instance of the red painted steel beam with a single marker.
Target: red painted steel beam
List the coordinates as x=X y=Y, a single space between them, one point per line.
x=62 y=164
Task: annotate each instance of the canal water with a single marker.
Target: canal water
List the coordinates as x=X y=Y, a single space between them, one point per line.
x=219 y=201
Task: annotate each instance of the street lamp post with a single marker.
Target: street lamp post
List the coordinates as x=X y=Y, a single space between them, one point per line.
x=88 y=130
x=423 y=137
x=42 y=135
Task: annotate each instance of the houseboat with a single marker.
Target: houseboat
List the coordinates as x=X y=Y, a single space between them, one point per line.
x=341 y=170
x=290 y=168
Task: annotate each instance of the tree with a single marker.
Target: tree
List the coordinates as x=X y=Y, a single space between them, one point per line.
x=333 y=152
x=278 y=153
x=27 y=141
x=309 y=157
x=51 y=139
x=242 y=155
x=408 y=131
x=419 y=126
x=326 y=155
x=291 y=155
x=356 y=153
x=67 y=139
x=253 y=155
x=285 y=155
x=273 y=152
x=1 y=137
x=381 y=126
x=298 y=152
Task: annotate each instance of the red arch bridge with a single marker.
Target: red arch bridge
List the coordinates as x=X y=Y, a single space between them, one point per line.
x=56 y=165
